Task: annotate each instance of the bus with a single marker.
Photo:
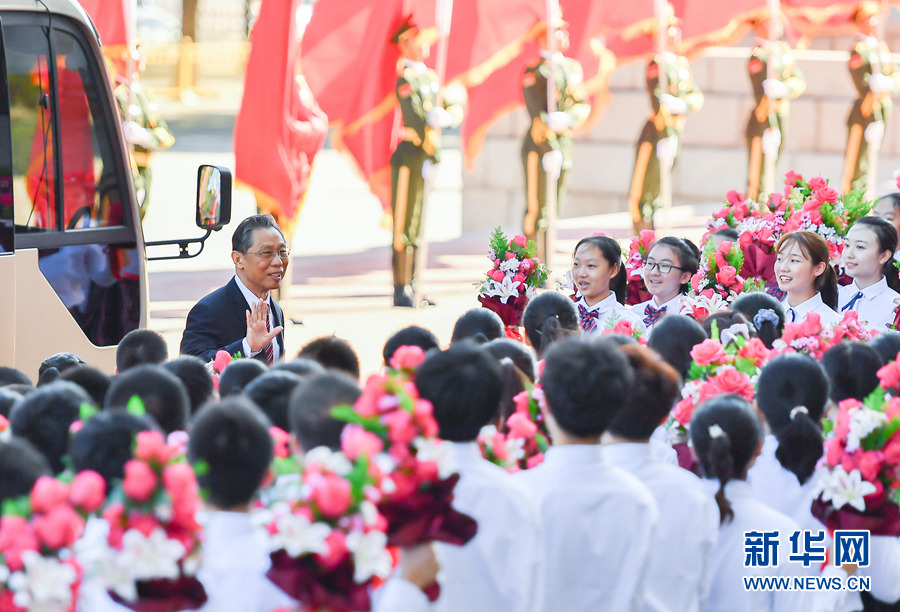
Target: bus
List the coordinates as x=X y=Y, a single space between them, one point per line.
x=73 y=274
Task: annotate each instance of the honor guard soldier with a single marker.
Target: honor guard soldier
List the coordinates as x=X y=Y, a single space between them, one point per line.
x=875 y=78
x=773 y=95
x=661 y=136
x=414 y=161
x=547 y=147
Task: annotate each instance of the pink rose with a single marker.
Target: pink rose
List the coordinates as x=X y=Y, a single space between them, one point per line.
x=534 y=460
x=870 y=464
x=150 y=446
x=16 y=536
x=696 y=279
x=407 y=358
x=520 y=240
x=332 y=494
x=624 y=327
x=527 y=266
x=114 y=514
x=792 y=179
x=519 y=278
x=88 y=491
x=708 y=352
x=827 y=194
x=497 y=275
x=400 y=426
x=755 y=350
x=522 y=401
x=509 y=255
x=221 y=360
x=816 y=183
x=683 y=410
x=498 y=443
x=734 y=197
x=726 y=276
x=337 y=550
x=775 y=201
x=889 y=375
x=520 y=426
x=140 y=481
x=732 y=381
x=59 y=528
x=48 y=493
x=423 y=417
x=356 y=441
x=834 y=452
x=891 y=450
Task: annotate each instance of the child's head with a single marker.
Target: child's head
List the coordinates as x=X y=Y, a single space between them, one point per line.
x=792 y=394
x=232 y=439
x=105 y=441
x=20 y=467
x=673 y=338
x=669 y=267
x=518 y=353
x=766 y=314
x=869 y=252
x=412 y=335
x=12 y=376
x=464 y=385
x=597 y=269
x=164 y=397
x=301 y=366
x=549 y=317
x=272 y=393
x=655 y=389
x=586 y=384
x=726 y=234
x=94 y=382
x=310 y=409
x=197 y=380
x=140 y=346
x=333 y=353
x=730 y=324
x=887 y=344
x=802 y=267
x=8 y=399
x=238 y=374
x=726 y=435
x=853 y=370
x=480 y=323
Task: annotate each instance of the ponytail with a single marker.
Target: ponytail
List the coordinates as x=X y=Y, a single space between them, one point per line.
x=513 y=383
x=721 y=467
x=800 y=445
x=766 y=314
x=619 y=284
x=548 y=317
x=887 y=242
x=827 y=285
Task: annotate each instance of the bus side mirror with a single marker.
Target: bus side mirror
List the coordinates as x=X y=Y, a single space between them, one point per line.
x=213 y=197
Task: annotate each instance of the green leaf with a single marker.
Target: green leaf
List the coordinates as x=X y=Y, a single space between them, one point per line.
x=875 y=400
x=201 y=468
x=499 y=243
x=542 y=442
x=86 y=411
x=282 y=466
x=347 y=414
x=18 y=506
x=714 y=330
x=359 y=478
x=136 y=406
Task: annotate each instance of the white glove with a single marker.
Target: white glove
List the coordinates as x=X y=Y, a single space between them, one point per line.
x=881 y=83
x=771 y=140
x=559 y=122
x=666 y=149
x=428 y=169
x=874 y=134
x=552 y=163
x=774 y=89
x=439 y=118
x=675 y=106
x=136 y=135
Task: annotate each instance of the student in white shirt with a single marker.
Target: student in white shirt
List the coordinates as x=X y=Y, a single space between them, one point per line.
x=804 y=273
x=598 y=520
x=688 y=517
x=670 y=265
x=549 y=317
x=600 y=277
x=868 y=259
x=726 y=435
x=500 y=569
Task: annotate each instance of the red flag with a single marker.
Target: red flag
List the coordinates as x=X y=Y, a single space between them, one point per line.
x=279 y=129
x=811 y=18
x=110 y=17
x=706 y=23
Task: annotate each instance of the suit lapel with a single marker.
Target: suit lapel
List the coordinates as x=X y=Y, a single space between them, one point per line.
x=278 y=316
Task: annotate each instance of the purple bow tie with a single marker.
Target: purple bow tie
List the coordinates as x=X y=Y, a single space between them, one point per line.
x=588 y=318
x=652 y=315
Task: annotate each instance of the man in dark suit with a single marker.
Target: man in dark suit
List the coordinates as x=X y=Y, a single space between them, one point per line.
x=241 y=317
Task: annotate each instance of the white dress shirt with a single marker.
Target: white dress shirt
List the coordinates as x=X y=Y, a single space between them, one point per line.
x=598 y=526
x=500 y=569
x=797 y=314
x=681 y=564
x=673 y=306
x=727 y=592
x=876 y=306
x=252 y=299
x=610 y=312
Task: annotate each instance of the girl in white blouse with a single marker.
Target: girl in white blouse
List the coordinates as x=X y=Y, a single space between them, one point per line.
x=667 y=273
x=803 y=271
x=868 y=259
x=599 y=278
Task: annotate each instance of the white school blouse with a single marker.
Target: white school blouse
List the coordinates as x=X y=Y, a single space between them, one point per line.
x=501 y=568
x=875 y=306
x=678 y=578
x=673 y=306
x=598 y=523
x=609 y=312
x=797 y=314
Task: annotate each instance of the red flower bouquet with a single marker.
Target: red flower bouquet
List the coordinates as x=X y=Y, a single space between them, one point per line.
x=636 y=291
x=717 y=281
x=524 y=440
x=217 y=365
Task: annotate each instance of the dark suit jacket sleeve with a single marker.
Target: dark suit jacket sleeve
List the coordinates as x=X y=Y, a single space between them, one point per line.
x=202 y=334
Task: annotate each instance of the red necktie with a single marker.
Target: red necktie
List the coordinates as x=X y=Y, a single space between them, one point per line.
x=270 y=350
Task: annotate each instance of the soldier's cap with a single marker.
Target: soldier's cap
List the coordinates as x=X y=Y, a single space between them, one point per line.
x=866 y=10
x=404 y=31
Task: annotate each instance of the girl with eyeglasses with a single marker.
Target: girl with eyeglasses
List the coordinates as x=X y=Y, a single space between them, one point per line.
x=667 y=274
x=599 y=277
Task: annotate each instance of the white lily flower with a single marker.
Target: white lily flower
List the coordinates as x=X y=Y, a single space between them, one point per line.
x=863 y=421
x=504 y=290
x=510 y=266
x=430 y=449
x=516 y=449
x=370 y=555
x=153 y=557
x=44 y=584
x=486 y=434
x=333 y=461
x=841 y=488
x=298 y=536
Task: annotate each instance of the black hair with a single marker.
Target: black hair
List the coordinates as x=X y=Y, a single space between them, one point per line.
x=574 y=370
x=93 y=381
x=886 y=235
x=612 y=253
x=725 y=456
x=163 y=394
x=688 y=256
x=515 y=351
x=760 y=308
x=238 y=374
x=655 y=389
x=272 y=393
x=725 y=319
x=311 y=404
x=815 y=248
x=140 y=346
x=20 y=467
x=12 y=376
x=729 y=233
x=786 y=383
x=853 y=370
x=60 y=361
x=513 y=382
x=887 y=344
x=549 y=317
x=478 y=321
x=619 y=340
x=673 y=338
x=197 y=380
x=242 y=238
x=105 y=441
x=333 y=353
x=22 y=390
x=301 y=366
x=409 y=336
x=894 y=198
x=464 y=385
x=8 y=399
x=44 y=417
x=232 y=439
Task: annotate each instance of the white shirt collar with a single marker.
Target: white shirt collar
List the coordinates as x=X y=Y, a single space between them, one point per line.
x=419 y=67
x=573 y=454
x=627 y=453
x=249 y=295
x=604 y=305
x=872 y=290
x=808 y=306
x=466 y=452
x=674 y=302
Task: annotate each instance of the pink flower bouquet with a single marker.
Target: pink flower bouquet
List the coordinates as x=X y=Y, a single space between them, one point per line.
x=524 y=439
x=636 y=291
x=718 y=281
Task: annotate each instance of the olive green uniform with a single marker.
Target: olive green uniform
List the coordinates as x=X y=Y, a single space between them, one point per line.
x=643 y=197
x=540 y=139
x=769 y=113
x=867 y=58
x=143 y=111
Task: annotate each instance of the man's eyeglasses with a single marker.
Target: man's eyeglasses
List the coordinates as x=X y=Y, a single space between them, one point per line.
x=270 y=255
x=663 y=268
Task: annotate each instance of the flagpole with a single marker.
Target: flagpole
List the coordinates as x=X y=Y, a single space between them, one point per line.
x=665 y=169
x=131 y=10
x=771 y=156
x=552 y=180
x=444 y=16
